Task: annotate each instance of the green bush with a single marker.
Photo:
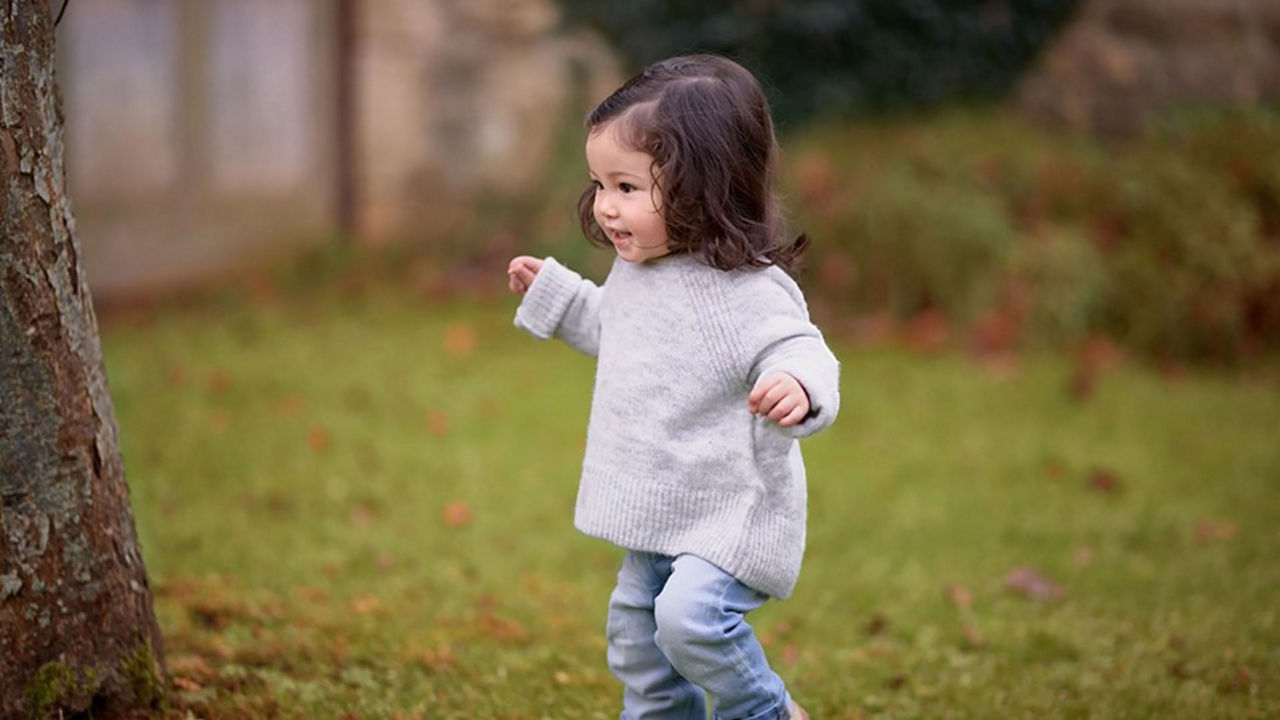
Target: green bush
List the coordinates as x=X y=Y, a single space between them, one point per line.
x=1169 y=243
x=1187 y=258
x=923 y=244
x=1064 y=280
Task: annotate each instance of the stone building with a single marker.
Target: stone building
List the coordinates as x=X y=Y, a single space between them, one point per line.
x=1122 y=62
x=203 y=135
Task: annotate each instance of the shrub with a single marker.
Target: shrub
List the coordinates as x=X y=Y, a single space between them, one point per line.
x=1169 y=243
x=918 y=245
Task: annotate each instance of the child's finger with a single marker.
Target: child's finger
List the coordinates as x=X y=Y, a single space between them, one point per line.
x=782 y=408
x=777 y=395
x=795 y=416
x=764 y=404
x=763 y=386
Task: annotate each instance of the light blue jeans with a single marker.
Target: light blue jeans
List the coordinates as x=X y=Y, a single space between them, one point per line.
x=677 y=628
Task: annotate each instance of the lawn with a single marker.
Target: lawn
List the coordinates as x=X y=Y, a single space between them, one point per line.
x=362 y=507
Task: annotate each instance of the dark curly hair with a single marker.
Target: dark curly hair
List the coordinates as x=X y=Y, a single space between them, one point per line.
x=705 y=122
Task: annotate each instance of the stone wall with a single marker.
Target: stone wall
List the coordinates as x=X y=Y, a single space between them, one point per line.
x=460 y=97
x=199 y=135
x=204 y=136
x=1121 y=62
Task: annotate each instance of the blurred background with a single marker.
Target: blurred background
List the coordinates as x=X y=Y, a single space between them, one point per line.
x=1002 y=173
x=1045 y=246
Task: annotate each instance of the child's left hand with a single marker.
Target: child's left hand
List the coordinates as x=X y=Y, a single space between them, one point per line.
x=779 y=397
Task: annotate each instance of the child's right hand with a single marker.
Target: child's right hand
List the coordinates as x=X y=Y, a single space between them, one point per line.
x=521 y=272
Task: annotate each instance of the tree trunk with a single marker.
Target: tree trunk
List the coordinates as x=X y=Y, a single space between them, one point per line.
x=77 y=628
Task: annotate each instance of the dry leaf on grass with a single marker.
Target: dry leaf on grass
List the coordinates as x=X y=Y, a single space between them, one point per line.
x=457 y=514
x=460 y=340
x=437 y=422
x=1032 y=584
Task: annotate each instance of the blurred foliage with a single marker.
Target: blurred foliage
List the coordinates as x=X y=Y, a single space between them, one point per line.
x=1170 y=243
x=820 y=58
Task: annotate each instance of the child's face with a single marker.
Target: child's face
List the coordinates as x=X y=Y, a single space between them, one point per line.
x=627 y=205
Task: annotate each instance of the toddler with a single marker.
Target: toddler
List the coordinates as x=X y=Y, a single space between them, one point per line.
x=708 y=371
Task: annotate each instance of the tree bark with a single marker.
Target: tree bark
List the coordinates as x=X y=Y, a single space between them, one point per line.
x=77 y=627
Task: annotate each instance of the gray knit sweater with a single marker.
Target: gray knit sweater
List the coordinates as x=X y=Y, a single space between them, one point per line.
x=675 y=463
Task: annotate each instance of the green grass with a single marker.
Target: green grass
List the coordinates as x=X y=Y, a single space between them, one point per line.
x=292 y=465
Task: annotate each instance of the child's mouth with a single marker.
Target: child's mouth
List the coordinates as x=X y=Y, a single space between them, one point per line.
x=619 y=236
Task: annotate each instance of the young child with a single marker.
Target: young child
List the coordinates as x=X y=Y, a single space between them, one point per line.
x=708 y=371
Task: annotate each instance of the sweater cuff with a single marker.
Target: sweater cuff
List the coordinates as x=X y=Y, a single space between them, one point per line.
x=547 y=299
x=824 y=399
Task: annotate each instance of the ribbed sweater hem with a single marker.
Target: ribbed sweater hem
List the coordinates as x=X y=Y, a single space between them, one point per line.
x=710 y=522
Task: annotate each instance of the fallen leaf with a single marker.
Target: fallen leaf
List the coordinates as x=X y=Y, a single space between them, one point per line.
x=896 y=682
x=561 y=677
x=1237 y=681
x=1083 y=555
x=877 y=624
x=1032 y=584
x=960 y=596
x=1103 y=480
x=790 y=654
x=362 y=515
x=317 y=438
x=490 y=408
x=219 y=381
x=365 y=604
x=221 y=649
x=501 y=628
x=1055 y=468
x=219 y=420
x=437 y=422
x=313 y=594
x=457 y=514
x=184 y=684
x=1208 y=531
x=972 y=638
x=290 y=405
x=439 y=659
x=192 y=667
x=460 y=340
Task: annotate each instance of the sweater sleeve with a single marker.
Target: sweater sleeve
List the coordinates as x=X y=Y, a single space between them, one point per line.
x=779 y=337
x=562 y=303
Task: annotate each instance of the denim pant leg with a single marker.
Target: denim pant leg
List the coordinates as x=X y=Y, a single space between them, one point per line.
x=653 y=688
x=702 y=630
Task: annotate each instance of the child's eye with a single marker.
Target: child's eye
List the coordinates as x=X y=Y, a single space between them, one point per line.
x=626 y=187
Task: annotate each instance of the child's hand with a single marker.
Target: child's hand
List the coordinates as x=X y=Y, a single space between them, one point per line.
x=521 y=272
x=779 y=397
